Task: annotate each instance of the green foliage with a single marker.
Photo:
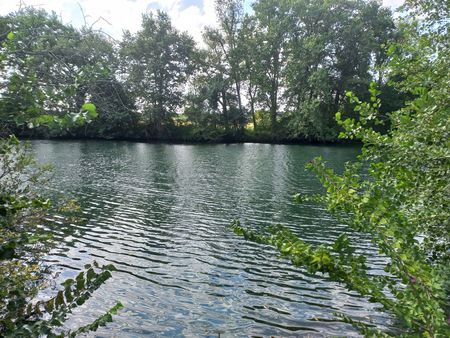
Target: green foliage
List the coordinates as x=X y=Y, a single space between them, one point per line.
x=396 y=193
x=50 y=70
x=90 y=110
x=22 y=243
x=293 y=59
x=34 y=319
x=339 y=47
x=157 y=63
x=18 y=175
x=87 y=114
x=102 y=321
x=337 y=260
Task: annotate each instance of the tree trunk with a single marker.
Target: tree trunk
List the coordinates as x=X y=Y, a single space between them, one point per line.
x=274 y=93
x=336 y=100
x=252 y=107
x=273 y=111
x=241 y=112
x=225 y=111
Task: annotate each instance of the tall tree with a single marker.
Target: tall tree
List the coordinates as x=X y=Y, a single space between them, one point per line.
x=156 y=62
x=273 y=24
x=40 y=65
x=225 y=42
x=307 y=78
x=334 y=46
x=251 y=68
x=230 y=14
x=219 y=80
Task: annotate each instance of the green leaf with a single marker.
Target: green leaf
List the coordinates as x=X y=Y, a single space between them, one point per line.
x=49 y=305
x=90 y=109
x=59 y=300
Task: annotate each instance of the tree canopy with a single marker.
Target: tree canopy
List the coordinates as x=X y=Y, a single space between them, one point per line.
x=276 y=74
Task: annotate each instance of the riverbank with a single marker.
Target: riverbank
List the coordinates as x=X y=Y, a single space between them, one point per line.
x=222 y=139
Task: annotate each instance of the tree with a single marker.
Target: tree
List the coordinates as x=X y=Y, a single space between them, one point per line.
x=227 y=40
x=32 y=77
x=156 y=63
x=251 y=64
x=217 y=82
x=334 y=46
x=97 y=58
x=51 y=60
x=273 y=24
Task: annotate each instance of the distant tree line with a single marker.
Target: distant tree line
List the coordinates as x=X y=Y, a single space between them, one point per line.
x=277 y=74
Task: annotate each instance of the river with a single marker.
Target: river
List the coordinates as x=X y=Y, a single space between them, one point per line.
x=160 y=213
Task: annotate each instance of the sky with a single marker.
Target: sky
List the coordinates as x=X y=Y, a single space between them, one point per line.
x=113 y=16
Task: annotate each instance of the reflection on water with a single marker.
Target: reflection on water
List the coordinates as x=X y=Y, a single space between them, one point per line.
x=160 y=214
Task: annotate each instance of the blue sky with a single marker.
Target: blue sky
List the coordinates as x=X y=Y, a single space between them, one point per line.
x=116 y=15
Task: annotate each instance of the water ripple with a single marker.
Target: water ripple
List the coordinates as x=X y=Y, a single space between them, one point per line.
x=160 y=214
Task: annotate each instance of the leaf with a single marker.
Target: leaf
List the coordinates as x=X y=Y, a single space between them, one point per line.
x=59 y=300
x=90 y=274
x=298 y=198
x=44 y=119
x=49 y=305
x=116 y=308
x=68 y=282
x=90 y=109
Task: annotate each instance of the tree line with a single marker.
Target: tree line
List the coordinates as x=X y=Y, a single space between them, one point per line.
x=278 y=73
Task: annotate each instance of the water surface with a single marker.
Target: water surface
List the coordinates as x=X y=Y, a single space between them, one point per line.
x=160 y=214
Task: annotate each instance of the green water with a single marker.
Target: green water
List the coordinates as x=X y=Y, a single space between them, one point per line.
x=160 y=214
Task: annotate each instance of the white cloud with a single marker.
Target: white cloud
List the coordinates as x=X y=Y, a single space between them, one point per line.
x=186 y=15
x=393 y=3
x=192 y=19
x=119 y=15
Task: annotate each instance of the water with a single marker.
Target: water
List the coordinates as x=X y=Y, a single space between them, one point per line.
x=160 y=214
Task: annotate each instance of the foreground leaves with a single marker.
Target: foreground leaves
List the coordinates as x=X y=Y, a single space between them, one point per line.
x=29 y=319
x=410 y=290
x=22 y=242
